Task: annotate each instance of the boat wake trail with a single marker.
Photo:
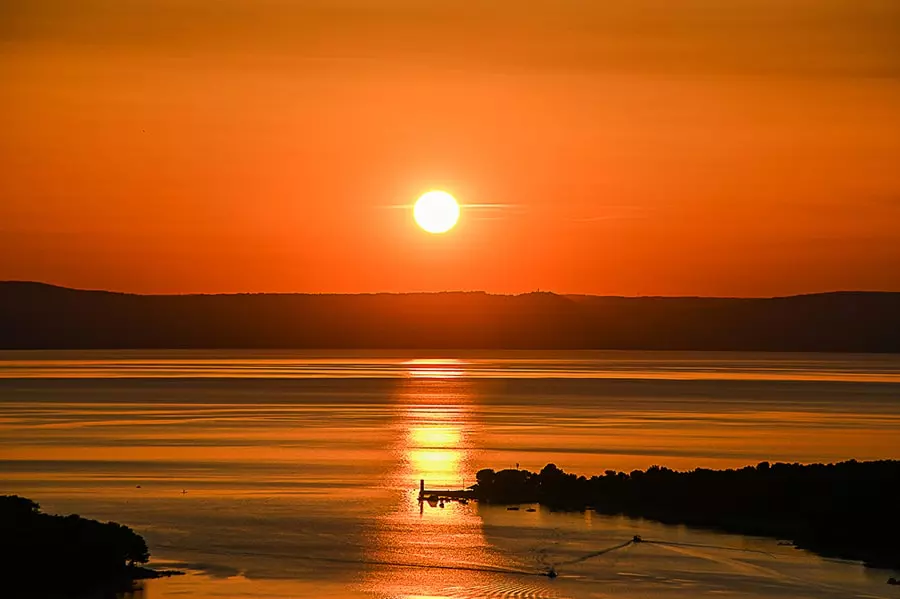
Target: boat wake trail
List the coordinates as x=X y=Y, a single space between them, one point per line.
x=549 y=573
x=701 y=546
x=638 y=540
x=594 y=554
x=487 y=569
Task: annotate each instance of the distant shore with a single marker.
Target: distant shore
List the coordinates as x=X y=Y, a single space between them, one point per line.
x=40 y=316
x=846 y=510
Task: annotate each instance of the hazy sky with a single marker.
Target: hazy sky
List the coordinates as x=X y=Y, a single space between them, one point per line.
x=645 y=147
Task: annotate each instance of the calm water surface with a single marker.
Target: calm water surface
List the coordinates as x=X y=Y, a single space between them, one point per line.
x=274 y=474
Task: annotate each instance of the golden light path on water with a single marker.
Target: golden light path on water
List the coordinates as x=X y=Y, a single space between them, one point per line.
x=433 y=424
x=436 y=424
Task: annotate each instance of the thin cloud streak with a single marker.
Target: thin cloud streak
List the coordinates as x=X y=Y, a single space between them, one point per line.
x=462 y=205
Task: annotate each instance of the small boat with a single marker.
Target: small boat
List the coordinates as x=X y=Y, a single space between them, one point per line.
x=464 y=501
x=531 y=509
x=551 y=573
x=441 y=504
x=513 y=508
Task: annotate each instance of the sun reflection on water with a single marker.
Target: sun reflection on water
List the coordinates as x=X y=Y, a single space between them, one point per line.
x=435 y=369
x=436 y=421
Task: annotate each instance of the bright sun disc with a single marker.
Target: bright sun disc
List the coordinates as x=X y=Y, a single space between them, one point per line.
x=436 y=211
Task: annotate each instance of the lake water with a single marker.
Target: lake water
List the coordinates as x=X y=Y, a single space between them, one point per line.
x=295 y=474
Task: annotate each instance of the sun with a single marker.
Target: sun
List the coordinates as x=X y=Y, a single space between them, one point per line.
x=436 y=211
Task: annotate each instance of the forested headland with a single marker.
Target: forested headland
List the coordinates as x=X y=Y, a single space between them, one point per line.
x=46 y=554
x=846 y=510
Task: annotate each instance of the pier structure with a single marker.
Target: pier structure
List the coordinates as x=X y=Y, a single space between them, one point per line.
x=439 y=494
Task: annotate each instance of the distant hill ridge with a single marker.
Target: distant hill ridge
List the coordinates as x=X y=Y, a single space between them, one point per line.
x=41 y=316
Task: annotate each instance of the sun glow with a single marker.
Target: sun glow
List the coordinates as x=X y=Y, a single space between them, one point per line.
x=436 y=211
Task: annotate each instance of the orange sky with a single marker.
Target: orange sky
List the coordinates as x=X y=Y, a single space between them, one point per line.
x=749 y=147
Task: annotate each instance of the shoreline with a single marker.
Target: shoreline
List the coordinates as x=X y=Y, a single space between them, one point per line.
x=842 y=511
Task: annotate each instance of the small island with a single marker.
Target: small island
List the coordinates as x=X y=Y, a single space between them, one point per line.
x=60 y=555
x=846 y=510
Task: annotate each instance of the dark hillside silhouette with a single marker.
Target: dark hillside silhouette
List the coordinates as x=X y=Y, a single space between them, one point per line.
x=41 y=552
x=34 y=315
x=846 y=510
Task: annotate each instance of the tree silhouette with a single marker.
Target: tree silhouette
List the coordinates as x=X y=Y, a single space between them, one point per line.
x=64 y=551
x=841 y=510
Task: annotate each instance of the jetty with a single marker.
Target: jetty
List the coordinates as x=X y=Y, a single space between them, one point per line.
x=444 y=494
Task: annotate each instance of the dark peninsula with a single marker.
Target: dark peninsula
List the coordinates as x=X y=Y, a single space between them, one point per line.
x=62 y=555
x=39 y=316
x=846 y=510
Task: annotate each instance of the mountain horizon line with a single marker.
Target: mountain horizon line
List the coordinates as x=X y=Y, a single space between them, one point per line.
x=40 y=316
x=56 y=286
